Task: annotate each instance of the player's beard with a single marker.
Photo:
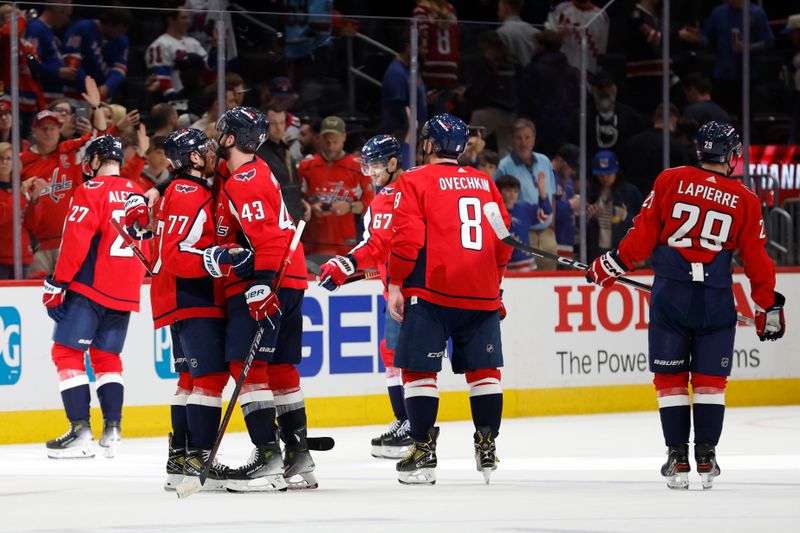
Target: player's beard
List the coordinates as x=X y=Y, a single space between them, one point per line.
x=223 y=152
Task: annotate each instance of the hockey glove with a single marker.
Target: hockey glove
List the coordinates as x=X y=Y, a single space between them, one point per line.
x=222 y=260
x=53 y=298
x=137 y=217
x=606 y=269
x=770 y=324
x=263 y=303
x=336 y=271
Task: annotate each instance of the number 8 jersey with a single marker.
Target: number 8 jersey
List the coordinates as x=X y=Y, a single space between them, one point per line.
x=443 y=250
x=700 y=213
x=93 y=259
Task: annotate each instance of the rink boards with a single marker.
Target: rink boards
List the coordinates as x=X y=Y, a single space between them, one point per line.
x=569 y=348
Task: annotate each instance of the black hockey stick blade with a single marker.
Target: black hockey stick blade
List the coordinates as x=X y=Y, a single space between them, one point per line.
x=495 y=218
x=320 y=444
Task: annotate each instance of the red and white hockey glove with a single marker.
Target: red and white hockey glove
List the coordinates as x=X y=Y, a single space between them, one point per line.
x=606 y=269
x=222 y=260
x=770 y=323
x=263 y=303
x=336 y=271
x=137 y=217
x=53 y=298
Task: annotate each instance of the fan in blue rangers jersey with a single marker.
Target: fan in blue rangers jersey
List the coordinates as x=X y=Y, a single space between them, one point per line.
x=39 y=33
x=98 y=48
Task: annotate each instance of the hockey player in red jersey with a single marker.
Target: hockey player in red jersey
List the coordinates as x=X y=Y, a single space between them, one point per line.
x=445 y=269
x=380 y=158
x=691 y=223
x=90 y=296
x=251 y=213
x=186 y=297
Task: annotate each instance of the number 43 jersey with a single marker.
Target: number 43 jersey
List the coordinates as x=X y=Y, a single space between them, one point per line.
x=93 y=259
x=251 y=212
x=443 y=250
x=699 y=214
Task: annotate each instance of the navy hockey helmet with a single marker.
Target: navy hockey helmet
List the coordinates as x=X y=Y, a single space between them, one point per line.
x=378 y=150
x=180 y=144
x=107 y=147
x=718 y=142
x=248 y=125
x=448 y=133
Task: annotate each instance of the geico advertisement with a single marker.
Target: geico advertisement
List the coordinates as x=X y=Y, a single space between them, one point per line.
x=559 y=332
x=565 y=332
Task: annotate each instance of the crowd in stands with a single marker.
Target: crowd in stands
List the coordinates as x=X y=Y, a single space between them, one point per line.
x=514 y=77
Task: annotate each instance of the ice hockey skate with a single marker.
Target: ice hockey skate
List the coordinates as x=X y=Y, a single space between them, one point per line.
x=262 y=473
x=485 y=452
x=77 y=443
x=394 y=442
x=706 y=458
x=297 y=462
x=175 y=461
x=217 y=475
x=676 y=469
x=110 y=439
x=418 y=466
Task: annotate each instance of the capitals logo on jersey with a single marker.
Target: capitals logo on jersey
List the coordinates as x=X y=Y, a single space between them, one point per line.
x=92 y=184
x=57 y=186
x=185 y=188
x=245 y=176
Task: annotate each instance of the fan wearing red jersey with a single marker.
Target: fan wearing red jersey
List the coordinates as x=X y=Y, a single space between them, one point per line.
x=90 y=296
x=691 y=224
x=251 y=213
x=187 y=297
x=445 y=270
x=381 y=159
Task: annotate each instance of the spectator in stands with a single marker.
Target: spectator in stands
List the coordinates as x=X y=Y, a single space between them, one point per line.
x=612 y=205
x=566 y=166
x=31 y=99
x=516 y=34
x=98 y=48
x=208 y=121
x=282 y=93
x=156 y=170
x=535 y=175
x=723 y=32
x=395 y=96
x=701 y=109
x=567 y=17
x=6 y=120
x=7 y=217
x=793 y=28
x=491 y=90
x=488 y=161
x=235 y=83
x=307 y=40
x=643 y=160
x=686 y=135
x=203 y=15
x=307 y=141
x=644 y=65
x=275 y=152
x=439 y=46
x=190 y=99
x=40 y=33
x=549 y=91
x=609 y=123
x=523 y=217
x=475 y=145
x=163 y=119
x=74 y=121
x=337 y=191
x=167 y=48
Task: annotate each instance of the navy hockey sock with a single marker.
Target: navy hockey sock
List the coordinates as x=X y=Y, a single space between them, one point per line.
x=260 y=423
x=396 y=396
x=676 y=422
x=422 y=412
x=76 y=402
x=204 y=423
x=487 y=411
x=110 y=396
x=180 y=425
x=291 y=420
x=708 y=423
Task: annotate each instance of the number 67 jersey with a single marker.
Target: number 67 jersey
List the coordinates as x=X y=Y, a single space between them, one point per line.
x=93 y=259
x=703 y=215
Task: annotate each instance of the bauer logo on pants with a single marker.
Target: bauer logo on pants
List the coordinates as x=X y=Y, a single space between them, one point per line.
x=10 y=345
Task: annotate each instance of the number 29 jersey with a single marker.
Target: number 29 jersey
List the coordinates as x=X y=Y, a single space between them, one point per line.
x=443 y=250
x=700 y=213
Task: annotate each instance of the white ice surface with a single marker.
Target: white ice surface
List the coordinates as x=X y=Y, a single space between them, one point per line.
x=563 y=474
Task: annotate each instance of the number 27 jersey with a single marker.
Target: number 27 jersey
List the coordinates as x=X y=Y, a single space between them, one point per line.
x=700 y=213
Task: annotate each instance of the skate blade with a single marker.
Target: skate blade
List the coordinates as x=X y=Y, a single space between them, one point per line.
x=487 y=473
x=377 y=452
x=394 y=452
x=190 y=485
x=172 y=482
x=678 y=481
x=707 y=480
x=302 y=481
x=110 y=451
x=72 y=453
x=421 y=476
x=271 y=483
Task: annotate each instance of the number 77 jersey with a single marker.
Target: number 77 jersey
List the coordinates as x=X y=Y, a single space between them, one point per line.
x=699 y=214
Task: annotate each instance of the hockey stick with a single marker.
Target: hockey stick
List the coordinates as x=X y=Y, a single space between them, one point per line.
x=358 y=276
x=492 y=213
x=131 y=243
x=194 y=484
